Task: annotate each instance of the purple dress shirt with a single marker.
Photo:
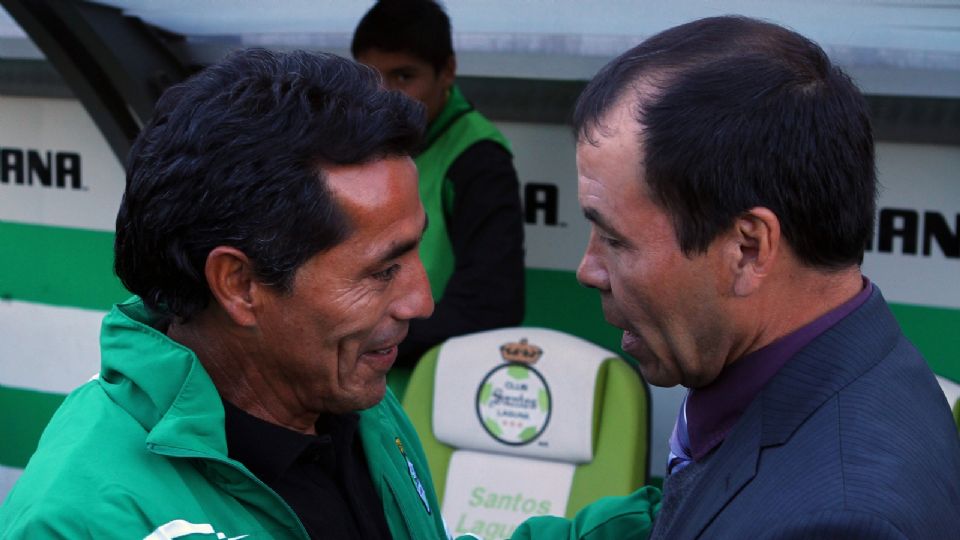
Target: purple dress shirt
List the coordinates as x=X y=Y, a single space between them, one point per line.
x=709 y=413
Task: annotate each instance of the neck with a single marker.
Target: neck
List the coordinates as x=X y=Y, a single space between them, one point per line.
x=230 y=356
x=793 y=300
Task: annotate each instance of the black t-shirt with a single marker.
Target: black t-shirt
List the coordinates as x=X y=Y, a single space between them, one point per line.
x=324 y=477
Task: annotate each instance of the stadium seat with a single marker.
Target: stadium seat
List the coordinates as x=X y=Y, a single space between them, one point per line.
x=952 y=391
x=956 y=413
x=520 y=422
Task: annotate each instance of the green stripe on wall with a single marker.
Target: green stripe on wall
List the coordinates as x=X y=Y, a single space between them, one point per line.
x=73 y=267
x=25 y=413
x=556 y=300
x=58 y=266
x=936 y=332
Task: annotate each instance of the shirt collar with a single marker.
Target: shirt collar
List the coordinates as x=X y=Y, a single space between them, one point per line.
x=269 y=450
x=712 y=411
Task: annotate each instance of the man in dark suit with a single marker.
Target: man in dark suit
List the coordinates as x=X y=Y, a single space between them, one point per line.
x=727 y=168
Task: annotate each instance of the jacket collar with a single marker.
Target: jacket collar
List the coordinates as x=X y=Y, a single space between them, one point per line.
x=829 y=363
x=817 y=372
x=160 y=383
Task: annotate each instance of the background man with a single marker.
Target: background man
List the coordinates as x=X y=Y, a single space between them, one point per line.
x=728 y=171
x=473 y=251
x=270 y=226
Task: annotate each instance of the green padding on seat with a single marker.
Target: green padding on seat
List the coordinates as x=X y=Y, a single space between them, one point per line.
x=418 y=402
x=25 y=415
x=621 y=452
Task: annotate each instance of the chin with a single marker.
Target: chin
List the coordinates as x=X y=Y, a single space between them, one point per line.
x=369 y=403
x=663 y=382
x=656 y=377
x=372 y=396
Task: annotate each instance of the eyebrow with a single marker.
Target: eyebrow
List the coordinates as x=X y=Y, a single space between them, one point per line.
x=594 y=217
x=405 y=247
x=401 y=69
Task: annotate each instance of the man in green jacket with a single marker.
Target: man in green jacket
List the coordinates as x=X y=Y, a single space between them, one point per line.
x=270 y=228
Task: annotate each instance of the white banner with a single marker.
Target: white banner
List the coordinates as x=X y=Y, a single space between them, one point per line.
x=55 y=166
x=48 y=348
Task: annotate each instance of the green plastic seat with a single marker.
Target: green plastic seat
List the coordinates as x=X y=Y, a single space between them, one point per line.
x=956 y=413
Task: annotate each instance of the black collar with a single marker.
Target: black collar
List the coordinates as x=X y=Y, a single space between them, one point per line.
x=269 y=450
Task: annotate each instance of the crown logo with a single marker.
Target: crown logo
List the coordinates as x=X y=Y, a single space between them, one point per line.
x=522 y=352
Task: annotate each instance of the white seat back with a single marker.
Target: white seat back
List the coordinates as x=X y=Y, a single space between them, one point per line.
x=517 y=405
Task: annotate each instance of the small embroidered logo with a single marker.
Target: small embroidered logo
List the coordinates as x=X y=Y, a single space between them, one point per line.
x=413 y=475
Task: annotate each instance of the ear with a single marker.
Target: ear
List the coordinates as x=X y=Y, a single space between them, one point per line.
x=231 y=280
x=449 y=71
x=756 y=248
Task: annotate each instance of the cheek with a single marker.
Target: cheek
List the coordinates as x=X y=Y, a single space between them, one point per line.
x=433 y=96
x=416 y=90
x=639 y=290
x=361 y=314
x=628 y=276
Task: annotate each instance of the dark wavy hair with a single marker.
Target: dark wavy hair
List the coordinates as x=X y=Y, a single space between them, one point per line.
x=418 y=27
x=745 y=113
x=235 y=155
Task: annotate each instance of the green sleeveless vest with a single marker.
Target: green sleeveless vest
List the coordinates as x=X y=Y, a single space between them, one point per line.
x=457 y=127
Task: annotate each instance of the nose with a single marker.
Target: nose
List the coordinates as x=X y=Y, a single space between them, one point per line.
x=416 y=301
x=592 y=272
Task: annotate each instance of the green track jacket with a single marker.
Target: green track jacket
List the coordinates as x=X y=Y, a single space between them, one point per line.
x=140 y=452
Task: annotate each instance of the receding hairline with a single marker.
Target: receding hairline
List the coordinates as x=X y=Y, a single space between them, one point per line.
x=645 y=87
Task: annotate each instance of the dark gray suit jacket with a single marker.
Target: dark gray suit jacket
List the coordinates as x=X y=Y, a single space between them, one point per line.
x=853 y=438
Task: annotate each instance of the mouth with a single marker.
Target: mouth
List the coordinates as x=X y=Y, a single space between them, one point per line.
x=381 y=358
x=382 y=352
x=629 y=341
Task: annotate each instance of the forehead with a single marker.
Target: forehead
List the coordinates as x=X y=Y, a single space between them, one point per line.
x=609 y=157
x=386 y=61
x=375 y=195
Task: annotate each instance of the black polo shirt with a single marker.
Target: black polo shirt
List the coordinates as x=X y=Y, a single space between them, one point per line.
x=323 y=477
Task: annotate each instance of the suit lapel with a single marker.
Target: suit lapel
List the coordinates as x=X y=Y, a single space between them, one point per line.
x=830 y=362
x=730 y=468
